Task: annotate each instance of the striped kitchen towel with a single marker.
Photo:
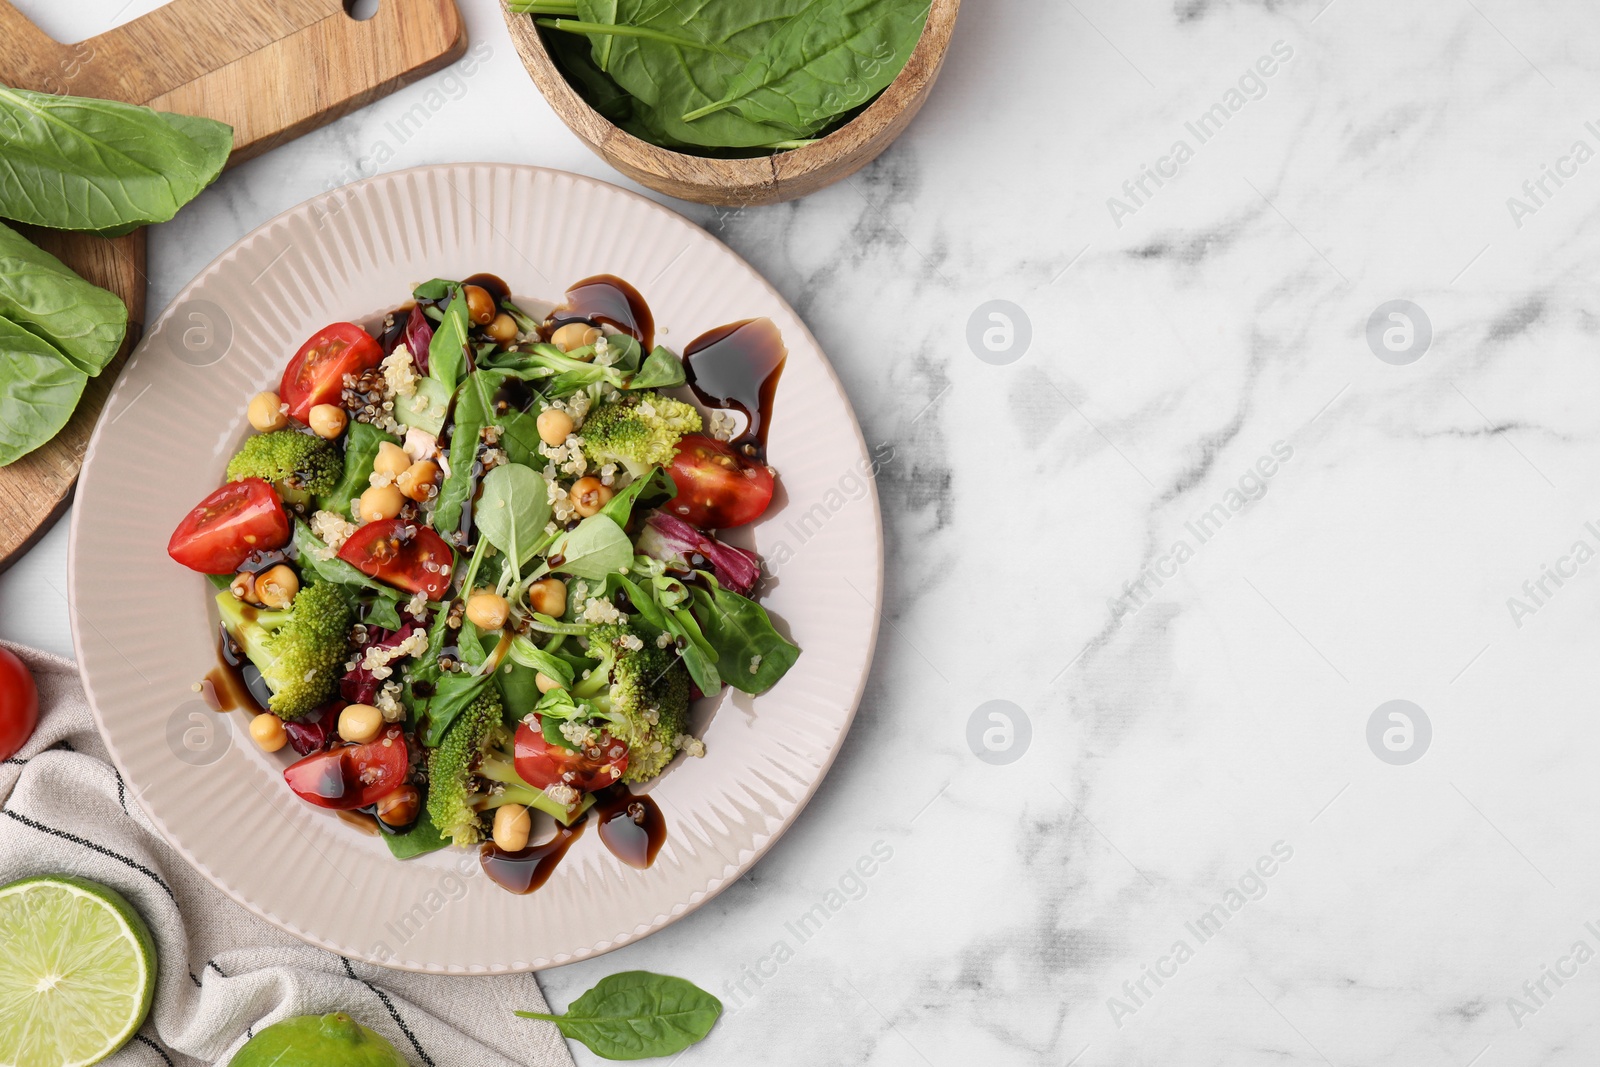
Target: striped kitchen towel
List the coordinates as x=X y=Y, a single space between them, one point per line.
x=224 y=974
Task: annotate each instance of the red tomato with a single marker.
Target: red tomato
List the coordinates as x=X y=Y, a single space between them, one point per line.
x=316 y=373
x=718 y=486
x=417 y=562
x=542 y=764
x=351 y=776
x=223 y=529
x=19 y=704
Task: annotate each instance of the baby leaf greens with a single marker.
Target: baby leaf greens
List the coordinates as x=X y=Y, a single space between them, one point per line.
x=731 y=75
x=72 y=163
x=512 y=511
x=636 y=1015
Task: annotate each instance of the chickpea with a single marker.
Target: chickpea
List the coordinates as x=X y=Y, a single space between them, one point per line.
x=575 y=335
x=399 y=808
x=553 y=425
x=418 y=480
x=512 y=825
x=277 y=587
x=480 y=305
x=267 y=731
x=327 y=420
x=546 y=683
x=502 y=328
x=380 y=502
x=360 y=723
x=548 y=596
x=589 y=496
x=243 y=586
x=487 y=611
x=392 y=460
x=266 y=412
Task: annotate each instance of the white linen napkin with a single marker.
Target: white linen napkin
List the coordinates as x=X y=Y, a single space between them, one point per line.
x=223 y=973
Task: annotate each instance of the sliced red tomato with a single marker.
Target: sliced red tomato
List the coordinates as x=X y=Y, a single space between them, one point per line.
x=316 y=373
x=351 y=776
x=223 y=529
x=543 y=764
x=19 y=704
x=719 y=487
x=406 y=555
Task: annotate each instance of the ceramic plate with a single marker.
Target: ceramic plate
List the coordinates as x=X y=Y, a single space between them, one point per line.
x=145 y=635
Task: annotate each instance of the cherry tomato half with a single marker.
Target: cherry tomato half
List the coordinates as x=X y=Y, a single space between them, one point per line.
x=223 y=529
x=351 y=776
x=718 y=486
x=542 y=764
x=316 y=373
x=19 y=704
x=418 y=561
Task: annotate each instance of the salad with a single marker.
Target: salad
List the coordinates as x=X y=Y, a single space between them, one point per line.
x=468 y=569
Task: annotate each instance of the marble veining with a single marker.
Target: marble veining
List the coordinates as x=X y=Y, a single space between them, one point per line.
x=1211 y=847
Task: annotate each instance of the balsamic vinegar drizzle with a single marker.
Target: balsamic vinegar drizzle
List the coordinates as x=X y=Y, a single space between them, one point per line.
x=737 y=366
x=610 y=301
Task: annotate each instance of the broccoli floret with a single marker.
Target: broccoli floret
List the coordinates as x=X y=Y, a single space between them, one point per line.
x=641 y=690
x=452 y=789
x=299 y=650
x=474 y=771
x=638 y=430
x=303 y=465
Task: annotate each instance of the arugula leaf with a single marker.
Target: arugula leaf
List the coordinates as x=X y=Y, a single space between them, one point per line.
x=73 y=163
x=83 y=322
x=831 y=57
x=360 y=452
x=751 y=655
x=512 y=510
x=620 y=507
x=39 y=389
x=636 y=1014
x=447 y=352
x=596 y=548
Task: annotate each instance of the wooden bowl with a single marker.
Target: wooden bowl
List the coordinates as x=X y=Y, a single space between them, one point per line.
x=761 y=179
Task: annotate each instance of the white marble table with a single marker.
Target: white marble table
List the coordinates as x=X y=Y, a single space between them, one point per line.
x=1197 y=532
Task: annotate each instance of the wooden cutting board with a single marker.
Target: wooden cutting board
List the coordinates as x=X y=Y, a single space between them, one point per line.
x=272 y=69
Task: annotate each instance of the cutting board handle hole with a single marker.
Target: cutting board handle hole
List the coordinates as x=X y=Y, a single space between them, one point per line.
x=361 y=10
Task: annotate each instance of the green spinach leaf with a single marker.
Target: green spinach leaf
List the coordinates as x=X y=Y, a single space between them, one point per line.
x=474 y=408
x=38 y=292
x=831 y=57
x=636 y=1014
x=751 y=655
x=447 y=352
x=73 y=163
x=661 y=370
x=657 y=483
x=512 y=510
x=39 y=389
x=596 y=549
x=422 y=838
x=360 y=452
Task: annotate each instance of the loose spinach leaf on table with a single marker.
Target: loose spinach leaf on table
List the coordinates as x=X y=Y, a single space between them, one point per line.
x=73 y=163
x=512 y=510
x=39 y=389
x=360 y=451
x=751 y=655
x=833 y=56
x=83 y=322
x=636 y=1015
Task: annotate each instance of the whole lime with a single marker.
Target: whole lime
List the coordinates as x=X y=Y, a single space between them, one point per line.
x=334 y=1040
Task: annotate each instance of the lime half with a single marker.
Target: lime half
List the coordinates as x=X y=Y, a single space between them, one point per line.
x=77 y=972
